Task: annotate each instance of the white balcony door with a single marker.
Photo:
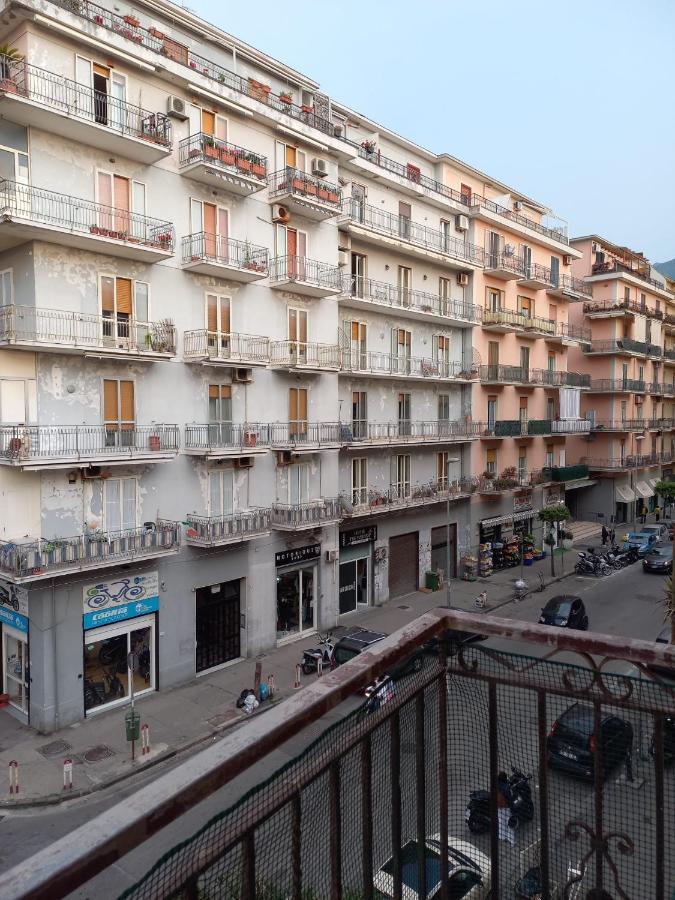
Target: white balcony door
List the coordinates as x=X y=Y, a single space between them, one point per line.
x=292 y=244
x=14 y=167
x=120 y=512
x=288 y=156
x=218 y=324
x=360 y=481
x=401 y=475
x=401 y=341
x=298 y=484
x=124 y=204
x=297 y=333
x=221 y=493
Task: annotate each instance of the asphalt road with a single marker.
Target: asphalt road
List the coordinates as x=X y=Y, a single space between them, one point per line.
x=626 y=603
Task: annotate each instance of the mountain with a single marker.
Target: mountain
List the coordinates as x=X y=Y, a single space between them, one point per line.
x=666 y=268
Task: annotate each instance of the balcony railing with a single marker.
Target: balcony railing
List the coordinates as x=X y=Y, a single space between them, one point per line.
x=669 y=352
x=218 y=436
x=402 y=298
x=500 y=373
x=298 y=354
x=630 y=424
x=406 y=431
x=553 y=378
x=627 y=462
x=509 y=317
x=42 y=558
x=305 y=515
x=71 y=214
x=299 y=433
x=304 y=186
x=613 y=266
x=210 y=531
x=81 y=331
x=373 y=362
x=557 y=234
x=31 y=444
x=506 y=262
x=573 y=332
x=81 y=102
x=309 y=271
x=603 y=385
x=532 y=427
x=570 y=426
x=365 y=502
x=205 y=148
x=569 y=285
x=566 y=473
x=226 y=347
x=540 y=274
x=613 y=306
x=225 y=251
x=537 y=323
x=409 y=232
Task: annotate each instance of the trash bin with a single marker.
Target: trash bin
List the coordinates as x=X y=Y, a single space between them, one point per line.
x=432 y=581
x=132 y=723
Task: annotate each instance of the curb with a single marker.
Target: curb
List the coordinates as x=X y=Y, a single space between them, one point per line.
x=508 y=600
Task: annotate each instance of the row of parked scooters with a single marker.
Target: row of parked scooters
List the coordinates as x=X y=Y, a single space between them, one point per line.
x=599 y=563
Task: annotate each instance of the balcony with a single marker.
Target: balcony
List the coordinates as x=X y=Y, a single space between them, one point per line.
x=374 y=364
x=566 y=334
x=219 y=531
x=498 y=374
x=40 y=99
x=218 y=164
x=31 y=214
x=537 y=277
x=220 y=349
x=617 y=386
x=566 y=473
x=635 y=461
x=624 y=347
x=364 y=293
x=555 y=378
x=571 y=426
x=35 y=560
x=599 y=309
x=32 y=328
x=211 y=254
x=305 y=276
x=303 y=516
x=615 y=267
x=503 y=265
x=63 y=446
x=300 y=436
x=569 y=287
x=225 y=440
x=600 y=425
x=511 y=479
x=360 y=434
x=305 y=194
x=669 y=355
x=536 y=326
x=398 y=233
x=503 y=320
x=532 y=427
x=301 y=356
x=488 y=210
x=363 y=502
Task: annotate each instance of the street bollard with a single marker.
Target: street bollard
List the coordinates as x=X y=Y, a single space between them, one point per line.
x=145 y=739
x=270 y=686
x=298 y=669
x=67 y=774
x=319 y=667
x=13 y=777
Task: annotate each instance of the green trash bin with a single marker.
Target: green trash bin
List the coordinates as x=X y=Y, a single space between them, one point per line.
x=132 y=722
x=432 y=581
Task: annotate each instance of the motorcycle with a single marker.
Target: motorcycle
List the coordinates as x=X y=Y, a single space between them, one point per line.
x=310 y=658
x=588 y=564
x=477 y=812
x=628 y=554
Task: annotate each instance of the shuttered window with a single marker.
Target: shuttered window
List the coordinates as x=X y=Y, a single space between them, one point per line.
x=491 y=461
x=217 y=314
x=297 y=411
x=124 y=302
x=118 y=403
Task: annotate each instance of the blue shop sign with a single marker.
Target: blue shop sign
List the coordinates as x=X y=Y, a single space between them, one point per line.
x=15 y=619
x=112 y=614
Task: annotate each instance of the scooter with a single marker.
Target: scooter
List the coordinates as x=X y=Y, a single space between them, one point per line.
x=310 y=658
x=588 y=564
x=477 y=812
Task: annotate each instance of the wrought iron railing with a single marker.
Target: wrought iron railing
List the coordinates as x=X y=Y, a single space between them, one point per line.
x=538 y=323
x=74 y=330
x=541 y=274
x=632 y=461
x=225 y=251
x=613 y=266
x=573 y=332
x=510 y=317
x=503 y=261
x=629 y=424
x=306 y=271
x=570 y=426
x=214 y=436
x=361 y=431
x=301 y=184
x=50 y=556
x=404 y=298
x=558 y=234
x=505 y=428
x=207 y=531
x=301 y=354
x=603 y=385
x=299 y=515
x=566 y=473
x=555 y=378
x=366 y=501
x=572 y=286
x=669 y=352
x=300 y=433
x=611 y=306
x=226 y=346
x=62 y=211
x=205 y=148
x=404 y=229
x=378 y=363
x=82 y=102
x=32 y=443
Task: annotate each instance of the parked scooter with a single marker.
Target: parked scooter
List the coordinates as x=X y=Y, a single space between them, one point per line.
x=324 y=652
x=477 y=812
x=587 y=564
x=629 y=555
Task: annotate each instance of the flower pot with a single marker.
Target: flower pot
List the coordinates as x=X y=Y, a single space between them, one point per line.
x=211 y=151
x=98 y=20
x=323 y=194
x=154 y=442
x=312 y=189
x=333 y=197
x=14 y=445
x=193 y=154
x=258 y=170
x=250 y=438
x=132 y=20
x=243 y=164
x=299 y=185
x=227 y=157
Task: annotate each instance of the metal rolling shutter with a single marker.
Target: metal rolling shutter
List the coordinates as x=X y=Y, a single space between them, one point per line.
x=403 y=564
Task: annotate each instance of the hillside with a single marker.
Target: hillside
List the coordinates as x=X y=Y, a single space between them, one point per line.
x=666 y=268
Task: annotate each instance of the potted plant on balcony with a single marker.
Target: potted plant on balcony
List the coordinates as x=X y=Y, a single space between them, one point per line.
x=161 y=336
x=227 y=155
x=9 y=60
x=98 y=20
x=323 y=191
x=250 y=437
x=567 y=539
x=257 y=167
x=286 y=98
x=132 y=20
x=243 y=162
x=210 y=149
x=368 y=147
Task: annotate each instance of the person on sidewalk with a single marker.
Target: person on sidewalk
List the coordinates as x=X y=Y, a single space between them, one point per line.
x=605 y=535
x=657 y=513
x=612 y=536
x=643 y=514
x=504 y=799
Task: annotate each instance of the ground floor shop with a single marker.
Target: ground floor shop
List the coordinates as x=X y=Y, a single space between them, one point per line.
x=356 y=568
x=297 y=577
x=617 y=499
x=15 y=658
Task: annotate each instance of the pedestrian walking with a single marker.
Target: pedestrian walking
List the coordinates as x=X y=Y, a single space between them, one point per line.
x=612 y=536
x=643 y=514
x=605 y=535
x=657 y=512
x=504 y=799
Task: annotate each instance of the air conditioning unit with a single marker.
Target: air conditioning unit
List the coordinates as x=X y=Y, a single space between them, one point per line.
x=176 y=108
x=242 y=376
x=567 y=259
x=284 y=457
x=517 y=205
x=91 y=472
x=343 y=258
x=462 y=279
x=319 y=167
x=344 y=241
x=461 y=223
x=332 y=555
x=280 y=214
x=243 y=462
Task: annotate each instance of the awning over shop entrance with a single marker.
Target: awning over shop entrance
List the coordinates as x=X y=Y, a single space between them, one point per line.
x=514 y=517
x=642 y=489
x=624 y=494
x=578 y=483
x=653 y=482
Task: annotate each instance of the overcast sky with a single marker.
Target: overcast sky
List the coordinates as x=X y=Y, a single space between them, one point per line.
x=571 y=103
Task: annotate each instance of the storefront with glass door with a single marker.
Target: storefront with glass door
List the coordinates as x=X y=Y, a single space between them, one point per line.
x=297 y=590
x=14 y=636
x=356 y=569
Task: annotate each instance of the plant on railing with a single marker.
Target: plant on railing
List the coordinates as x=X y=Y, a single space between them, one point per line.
x=368 y=146
x=161 y=337
x=8 y=56
x=286 y=98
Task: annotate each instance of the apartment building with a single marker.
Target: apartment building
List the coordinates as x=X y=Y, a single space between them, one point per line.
x=630 y=362
x=247 y=380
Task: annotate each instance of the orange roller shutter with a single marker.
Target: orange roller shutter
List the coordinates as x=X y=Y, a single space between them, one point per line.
x=124 y=303
x=127 y=401
x=108 y=294
x=110 y=401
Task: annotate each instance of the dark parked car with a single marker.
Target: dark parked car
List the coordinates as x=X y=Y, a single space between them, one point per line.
x=572 y=742
x=668 y=741
x=659 y=559
x=353 y=644
x=565 y=611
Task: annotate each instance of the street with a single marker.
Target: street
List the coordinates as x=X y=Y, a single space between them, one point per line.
x=628 y=602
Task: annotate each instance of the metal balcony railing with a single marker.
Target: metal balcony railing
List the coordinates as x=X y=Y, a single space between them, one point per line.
x=301 y=354
x=364 y=501
x=306 y=271
x=630 y=306
x=537 y=323
x=628 y=424
x=300 y=433
x=669 y=352
x=376 y=363
x=566 y=473
x=362 y=431
x=603 y=385
x=299 y=515
x=62 y=211
x=505 y=374
x=505 y=428
x=225 y=251
x=626 y=462
x=557 y=234
x=74 y=330
x=573 y=332
x=208 y=531
x=214 y=436
x=410 y=232
x=82 y=102
x=404 y=298
x=613 y=266
x=205 y=148
x=570 y=426
x=573 y=286
x=615 y=346
x=537 y=272
x=507 y=262
x=32 y=443
x=305 y=186
x=89 y=550
x=553 y=378
x=228 y=347
x=509 y=317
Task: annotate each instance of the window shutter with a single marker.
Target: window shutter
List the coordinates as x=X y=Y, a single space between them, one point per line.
x=436 y=346
x=302 y=323
x=211 y=313
x=228 y=492
x=127 y=401
x=105 y=193
x=302 y=404
x=107 y=295
x=121 y=193
x=113 y=511
x=215 y=494
x=292 y=324
x=221 y=128
x=124 y=304
x=293 y=405
x=208 y=122
x=110 y=401
x=225 y=315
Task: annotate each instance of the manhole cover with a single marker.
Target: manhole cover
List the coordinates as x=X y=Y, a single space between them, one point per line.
x=96 y=754
x=56 y=748
x=217 y=721
x=403 y=607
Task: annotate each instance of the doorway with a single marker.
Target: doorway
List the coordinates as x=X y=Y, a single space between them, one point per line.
x=354 y=585
x=15 y=680
x=439 y=550
x=217 y=624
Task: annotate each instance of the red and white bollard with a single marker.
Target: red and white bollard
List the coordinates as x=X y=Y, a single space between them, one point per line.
x=319 y=667
x=145 y=739
x=67 y=774
x=298 y=669
x=13 y=777
x=270 y=686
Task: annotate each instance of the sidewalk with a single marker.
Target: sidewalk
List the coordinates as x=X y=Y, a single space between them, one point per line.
x=188 y=716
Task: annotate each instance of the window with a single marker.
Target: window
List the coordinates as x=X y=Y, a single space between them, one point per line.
x=549 y=456
x=297 y=334
x=292 y=244
x=493 y=358
x=209 y=231
x=405 y=285
x=118 y=412
x=444 y=407
x=402 y=475
x=526 y=306
x=442 y=468
x=491 y=462
x=124 y=300
x=638 y=412
x=286 y=155
x=526 y=253
x=221 y=493
x=491 y=412
x=358 y=205
x=400 y=350
x=622 y=451
x=553 y=312
x=643 y=301
x=359 y=414
x=358 y=284
x=626 y=293
x=445 y=294
x=404 y=217
x=119 y=504
x=624 y=371
x=218 y=324
x=550 y=408
x=360 y=481
x=624 y=410
x=524 y=363
x=6 y=288
x=104 y=101
x=465 y=193
x=495 y=244
x=18 y=401
x=122 y=204
x=357 y=335
x=404 y=423
x=297 y=412
x=641 y=373
x=555 y=270
x=523 y=410
x=220 y=415
x=447 y=232
x=522 y=464
x=648 y=331
x=204 y=121
x=551 y=362
x=298 y=484
x=441 y=353
x=493 y=299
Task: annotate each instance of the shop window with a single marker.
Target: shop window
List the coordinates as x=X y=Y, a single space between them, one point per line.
x=120 y=512
x=296 y=592
x=15 y=667
x=360 y=481
x=107 y=678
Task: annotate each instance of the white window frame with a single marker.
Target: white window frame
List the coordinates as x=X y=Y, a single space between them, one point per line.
x=221 y=475
x=296 y=472
x=29 y=397
x=126 y=479
x=3 y=274
x=360 y=480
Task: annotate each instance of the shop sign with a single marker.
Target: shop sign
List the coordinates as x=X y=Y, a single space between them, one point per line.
x=15 y=619
x=553 y=496
x=13 y=597
x=355 y=536
x=301 y=554
x=108 y=602
x=522 y=501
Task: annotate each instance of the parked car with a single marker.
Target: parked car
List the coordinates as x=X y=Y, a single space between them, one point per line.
x=351 y=645
x=660 y=529
x=641 y=541
x=572 y=741
x=663 y=637
x=668 y=741
x=659 y=559
x=565 y=611
x=468 y=871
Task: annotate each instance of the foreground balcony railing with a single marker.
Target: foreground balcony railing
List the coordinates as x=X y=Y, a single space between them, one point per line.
x=373 y=362
x=226 y=438
x=365 y=502
x=623 y=345
x=43 y=558
x=307 y=276
x=504 y=265
x=228 y=348
x=411 y=233
x=359 y=288
x=299 y=435
x=199 y=155
x=301 y=355
x=30 y=326
x=510 y=480
x=537 y=276
x=293 y=516
x=213 y=254
x=362 y=432
x=215 y=531
x=316 y=197
x=40 y=445
x=545 y=377
x=400 y=776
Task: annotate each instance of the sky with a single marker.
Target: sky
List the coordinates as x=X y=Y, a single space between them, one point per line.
x=570 y=103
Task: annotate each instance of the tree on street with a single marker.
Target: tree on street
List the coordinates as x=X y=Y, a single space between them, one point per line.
x=553 y=516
